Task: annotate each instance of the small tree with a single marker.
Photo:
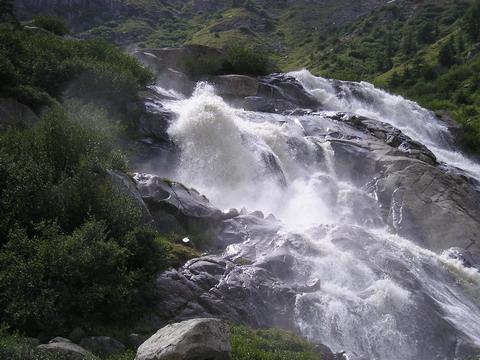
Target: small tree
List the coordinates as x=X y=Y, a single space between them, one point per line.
x=426 y=33
x=408 y=46
x=7 y=11
x=446 y=56
x=473 y=21
x=394 y=80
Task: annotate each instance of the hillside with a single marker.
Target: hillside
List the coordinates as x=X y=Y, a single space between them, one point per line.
x=394 y=44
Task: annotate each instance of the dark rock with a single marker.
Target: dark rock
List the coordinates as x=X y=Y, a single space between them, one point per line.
x=197 y=339
x=436 y=209
x=389 y=135
x=287 y=88
x=77 y=334
x=102 y=346
x=268 y=105
x=235 y=85
x=174 y=207
x=135 y=340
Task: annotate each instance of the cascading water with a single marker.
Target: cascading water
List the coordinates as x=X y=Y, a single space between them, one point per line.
x=366 y=100
x=381 y=296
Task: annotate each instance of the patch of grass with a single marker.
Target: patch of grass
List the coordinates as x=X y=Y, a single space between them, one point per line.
x=270 y=344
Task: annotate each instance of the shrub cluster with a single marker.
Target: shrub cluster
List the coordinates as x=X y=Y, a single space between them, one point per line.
x=37 y=67
x=73 y=249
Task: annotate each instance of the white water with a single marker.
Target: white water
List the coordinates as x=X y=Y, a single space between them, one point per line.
x=366 y=100
x=376 y=287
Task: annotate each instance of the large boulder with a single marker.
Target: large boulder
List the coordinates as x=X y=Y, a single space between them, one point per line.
x=287 y=88
x=176 y=208
x=103 y=346
x=13 y=113
x=235 y=85
x=197 y=339
x=65 y=351
x=434 y=208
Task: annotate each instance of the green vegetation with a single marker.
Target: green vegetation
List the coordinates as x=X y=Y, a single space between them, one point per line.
x=240 y=58
x=270 y=344
x=38 y=68
x=51 y=23
x=74 y=250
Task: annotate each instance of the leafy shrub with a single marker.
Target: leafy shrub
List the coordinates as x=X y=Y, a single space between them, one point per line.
x=54 y=24
x=57 y=170
x=271 y=344
x=247 y=59
x=45 y=63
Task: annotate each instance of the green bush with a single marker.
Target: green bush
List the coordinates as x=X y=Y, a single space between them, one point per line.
x=57 y=171
x=48 y=64
x=54 y=24
x=248 y=60
x=271 y=344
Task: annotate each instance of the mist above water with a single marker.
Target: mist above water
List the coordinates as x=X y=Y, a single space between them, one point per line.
x=382 y=296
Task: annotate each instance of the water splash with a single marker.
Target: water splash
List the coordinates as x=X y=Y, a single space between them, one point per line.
x=365 y=99
x=381 y=297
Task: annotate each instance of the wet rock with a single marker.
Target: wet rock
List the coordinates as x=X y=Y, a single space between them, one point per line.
x=102 y=346
x=198 y=339
x=267 y=105
x=235 y=85
x=435 y=209
x=154 y=121
x=389 y=135
x=65 y=351
x=15 y=114
x=174 y=207
x=287 y=88
x=464 y=256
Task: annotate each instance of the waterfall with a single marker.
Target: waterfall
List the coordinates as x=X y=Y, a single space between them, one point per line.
x=364 y=99
x=382 y=296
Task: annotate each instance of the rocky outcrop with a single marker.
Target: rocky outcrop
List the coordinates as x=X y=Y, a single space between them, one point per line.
x=180 y=58
x=15 y=114
x=235 y=85
x=102 y=346
x=176 y=208
x=436 y=209
x=286 y=88
x=198 y=339
x=65 y=351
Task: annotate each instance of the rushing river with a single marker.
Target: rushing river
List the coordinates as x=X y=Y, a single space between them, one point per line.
x=382 y=296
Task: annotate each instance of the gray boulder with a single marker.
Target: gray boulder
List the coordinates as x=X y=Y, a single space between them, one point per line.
x=176 y=208
x=59 y=339
x=235 y=85
x=77 y=334
x=437 y=209
x=102 y=345
x=13 y=113
x=197 y=339
x=65 y=351
x=287 y=88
